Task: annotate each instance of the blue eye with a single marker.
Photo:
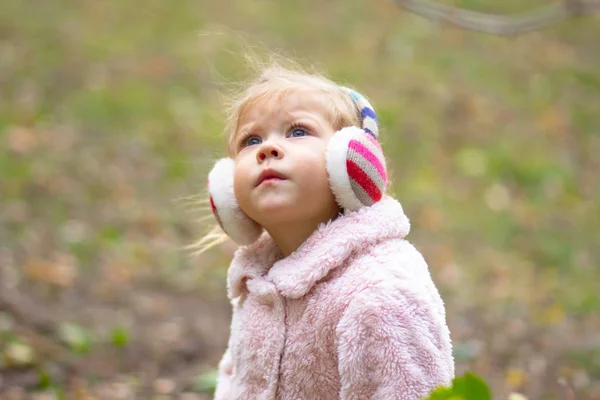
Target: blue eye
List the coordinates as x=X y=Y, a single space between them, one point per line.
x=298 y=132
x=252 y=141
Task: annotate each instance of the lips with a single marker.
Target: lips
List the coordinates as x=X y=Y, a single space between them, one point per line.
x=269 y=175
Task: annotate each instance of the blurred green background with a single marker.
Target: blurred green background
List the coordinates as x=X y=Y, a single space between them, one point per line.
x=111 y=117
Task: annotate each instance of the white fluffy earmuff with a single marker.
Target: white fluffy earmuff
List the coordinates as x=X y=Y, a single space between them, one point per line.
x=236 y=224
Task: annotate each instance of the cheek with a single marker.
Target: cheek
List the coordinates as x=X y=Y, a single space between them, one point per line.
x=314 y=175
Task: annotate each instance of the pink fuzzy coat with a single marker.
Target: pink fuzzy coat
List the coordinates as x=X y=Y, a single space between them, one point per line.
x=352 y=314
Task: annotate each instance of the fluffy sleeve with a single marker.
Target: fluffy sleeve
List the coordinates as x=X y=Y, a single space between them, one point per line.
x=223 y=389
x=393 y=344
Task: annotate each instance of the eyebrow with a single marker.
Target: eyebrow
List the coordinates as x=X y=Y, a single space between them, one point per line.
x=289 y=120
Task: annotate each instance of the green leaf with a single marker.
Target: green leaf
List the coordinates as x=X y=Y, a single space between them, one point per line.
x=466 y=387
x=206 y=382
x=471 y=387
x=111 y=234
x=45 y=381
x=76 y=337
x=59 y=393
x=120 y=337
x=441 y=393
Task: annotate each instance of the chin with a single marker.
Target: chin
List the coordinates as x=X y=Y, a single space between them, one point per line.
x=277 y=210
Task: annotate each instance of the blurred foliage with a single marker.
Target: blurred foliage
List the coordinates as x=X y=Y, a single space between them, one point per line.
x=120 y=337
x=76 y=337
x=111 y=117
x=207 y=382
x=466 y=387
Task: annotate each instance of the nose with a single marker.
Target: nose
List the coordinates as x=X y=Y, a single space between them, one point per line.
x=269 y=149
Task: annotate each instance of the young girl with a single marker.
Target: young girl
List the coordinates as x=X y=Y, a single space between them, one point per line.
x=329 y=300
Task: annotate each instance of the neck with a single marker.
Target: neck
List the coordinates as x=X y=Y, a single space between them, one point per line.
x=289 y=236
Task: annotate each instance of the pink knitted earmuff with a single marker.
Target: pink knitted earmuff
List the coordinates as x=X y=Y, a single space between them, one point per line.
x=355 y=165
x=355 y=161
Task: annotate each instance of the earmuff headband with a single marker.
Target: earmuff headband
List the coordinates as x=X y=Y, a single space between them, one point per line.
x=367 y=112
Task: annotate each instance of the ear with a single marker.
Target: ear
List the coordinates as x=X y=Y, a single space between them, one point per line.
x=356 y=168
x=236 y=224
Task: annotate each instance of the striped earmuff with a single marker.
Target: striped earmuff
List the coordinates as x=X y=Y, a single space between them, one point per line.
x=355 y=165
x=355 y=161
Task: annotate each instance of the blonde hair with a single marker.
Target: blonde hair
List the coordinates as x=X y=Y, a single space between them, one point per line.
x=275 y=80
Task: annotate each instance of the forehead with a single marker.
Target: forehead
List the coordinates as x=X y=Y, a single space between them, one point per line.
x=336 y=109
x=285 y=105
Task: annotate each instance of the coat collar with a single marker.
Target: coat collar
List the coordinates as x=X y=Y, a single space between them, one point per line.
x=327 y=248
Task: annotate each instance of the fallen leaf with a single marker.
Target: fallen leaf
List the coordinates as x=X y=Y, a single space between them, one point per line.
x=21 y=140
x=516 y=396
x=552 y=121
x=551 y=315
x=61 y=274
x=18 y=354
x=515 y=377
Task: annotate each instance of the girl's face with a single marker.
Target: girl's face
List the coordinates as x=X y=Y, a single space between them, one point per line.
x=280 y=175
